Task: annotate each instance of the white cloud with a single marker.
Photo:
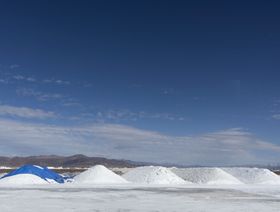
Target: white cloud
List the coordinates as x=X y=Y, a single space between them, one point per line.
x=31 y=79
x=227 y=147
x=56 y=81
x=24 y=112
x=13 y=76
x=14 y=66
x=120 y=115
x=21 y=77
x=4 y=81
x=41 y=96
x=276 y=116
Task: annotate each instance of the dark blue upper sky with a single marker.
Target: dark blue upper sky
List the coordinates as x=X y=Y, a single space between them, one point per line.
x=176 y=68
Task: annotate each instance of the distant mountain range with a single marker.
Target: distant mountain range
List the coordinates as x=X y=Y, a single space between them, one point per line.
x=82 y=161
x=66 y=161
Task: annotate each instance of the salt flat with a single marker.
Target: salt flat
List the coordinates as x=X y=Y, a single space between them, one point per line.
x=139 y=198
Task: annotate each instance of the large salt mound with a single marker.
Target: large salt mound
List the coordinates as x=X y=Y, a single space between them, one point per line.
x=153 y=175
x=99 y=175
x=210 y=176
x=23 y=179
x=254 y=175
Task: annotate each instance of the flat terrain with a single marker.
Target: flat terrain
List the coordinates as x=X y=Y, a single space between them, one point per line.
x=64 y=198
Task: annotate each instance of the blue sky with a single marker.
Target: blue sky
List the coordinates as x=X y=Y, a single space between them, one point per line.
x=192 y=82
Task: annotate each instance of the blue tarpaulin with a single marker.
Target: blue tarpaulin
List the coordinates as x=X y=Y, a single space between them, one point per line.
x=42 y=172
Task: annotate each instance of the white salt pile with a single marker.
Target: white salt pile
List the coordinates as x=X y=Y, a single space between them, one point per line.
x=210 y=176
x=153 y=175
x=99 y=175
x=23 y=179
x=254 y=175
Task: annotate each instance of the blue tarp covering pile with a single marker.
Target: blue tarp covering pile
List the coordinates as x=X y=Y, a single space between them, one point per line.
x=42 y=172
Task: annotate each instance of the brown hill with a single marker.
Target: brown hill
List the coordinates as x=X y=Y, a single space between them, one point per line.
x=64 y=161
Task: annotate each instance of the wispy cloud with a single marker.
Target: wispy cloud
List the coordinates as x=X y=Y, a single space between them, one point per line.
x=71 y=102
x=120 y=115
x=276 y=116
x=56 y=81
x=13 y=76
x=14 y=66
x=168 y=91
x=227 y=147
x=4 y=81
x=24 y=112
x=34 y=80
x=24 y=78
x=41 y=96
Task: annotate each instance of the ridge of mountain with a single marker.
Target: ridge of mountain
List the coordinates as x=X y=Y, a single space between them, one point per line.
x=78 y=160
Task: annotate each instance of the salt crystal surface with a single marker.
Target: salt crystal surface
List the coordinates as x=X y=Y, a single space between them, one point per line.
x=23 y=179
x=214 y=176
x=153 y=175
x=99 y=175
x=254 y=175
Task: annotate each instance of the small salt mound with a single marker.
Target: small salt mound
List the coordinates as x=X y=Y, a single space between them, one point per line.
x=210 y=176
x=99 y=175
x=254 y=175
x=153 y=175
x=23 y=179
